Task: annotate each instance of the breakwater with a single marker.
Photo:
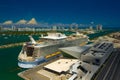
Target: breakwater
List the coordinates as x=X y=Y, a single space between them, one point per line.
x=11 y=45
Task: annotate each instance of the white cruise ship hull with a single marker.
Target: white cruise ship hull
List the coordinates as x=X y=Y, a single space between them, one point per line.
x=50 y=52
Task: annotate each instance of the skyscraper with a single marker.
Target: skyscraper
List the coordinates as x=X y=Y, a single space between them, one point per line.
x=54 y=28
x=99 y=27
x=91 y=27
x=1 y=28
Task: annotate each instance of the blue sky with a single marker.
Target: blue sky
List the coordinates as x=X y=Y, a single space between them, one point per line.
x=62 y=11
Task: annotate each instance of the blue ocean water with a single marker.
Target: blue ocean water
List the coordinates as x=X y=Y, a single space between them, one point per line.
x=8 y=64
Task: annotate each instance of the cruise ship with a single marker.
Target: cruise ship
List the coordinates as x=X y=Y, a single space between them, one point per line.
x=47 y=47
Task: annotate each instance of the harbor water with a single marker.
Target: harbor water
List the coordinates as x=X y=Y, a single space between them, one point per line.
x=8 y=61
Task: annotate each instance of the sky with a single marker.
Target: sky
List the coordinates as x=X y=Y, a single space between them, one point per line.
x=105 y=12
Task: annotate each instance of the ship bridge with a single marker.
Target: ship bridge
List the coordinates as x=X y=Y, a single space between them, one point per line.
x=55 y=36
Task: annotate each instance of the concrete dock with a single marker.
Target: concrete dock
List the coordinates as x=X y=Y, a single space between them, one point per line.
x=32 y=74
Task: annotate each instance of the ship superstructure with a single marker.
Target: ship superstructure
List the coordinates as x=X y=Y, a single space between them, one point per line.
x=45 y=49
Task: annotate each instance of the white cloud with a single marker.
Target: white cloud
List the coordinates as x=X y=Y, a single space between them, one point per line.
x=32 y=21
x=21 y=21
x=8 y=22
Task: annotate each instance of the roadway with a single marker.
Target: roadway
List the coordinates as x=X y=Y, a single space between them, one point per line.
x=111 y=68
x=116 y=75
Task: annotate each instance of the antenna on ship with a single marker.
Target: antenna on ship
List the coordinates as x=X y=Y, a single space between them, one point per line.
x=32 y=40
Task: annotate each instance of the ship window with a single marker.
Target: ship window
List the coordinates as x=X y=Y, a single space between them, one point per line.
x=30 y=51
x=83 y=69
x=97 y=60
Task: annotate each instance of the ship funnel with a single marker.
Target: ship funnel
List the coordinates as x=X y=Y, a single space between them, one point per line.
x=32 y=40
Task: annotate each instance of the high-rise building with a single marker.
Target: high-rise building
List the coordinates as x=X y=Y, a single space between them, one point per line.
x=54 y=28
x=62 y=28
x=13 y=28
x=76 y=27
x=71 y=27
x=91 y=27
x=99 y=27
x=1 y=28
x=59 y=28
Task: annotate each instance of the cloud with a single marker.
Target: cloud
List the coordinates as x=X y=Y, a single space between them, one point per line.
x=8 y=22
x=32 y=21
x=21 y=21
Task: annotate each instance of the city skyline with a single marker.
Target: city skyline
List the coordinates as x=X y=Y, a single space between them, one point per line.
x=62 y=11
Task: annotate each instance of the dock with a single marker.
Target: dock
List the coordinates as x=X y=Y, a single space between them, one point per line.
x=31 y=74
